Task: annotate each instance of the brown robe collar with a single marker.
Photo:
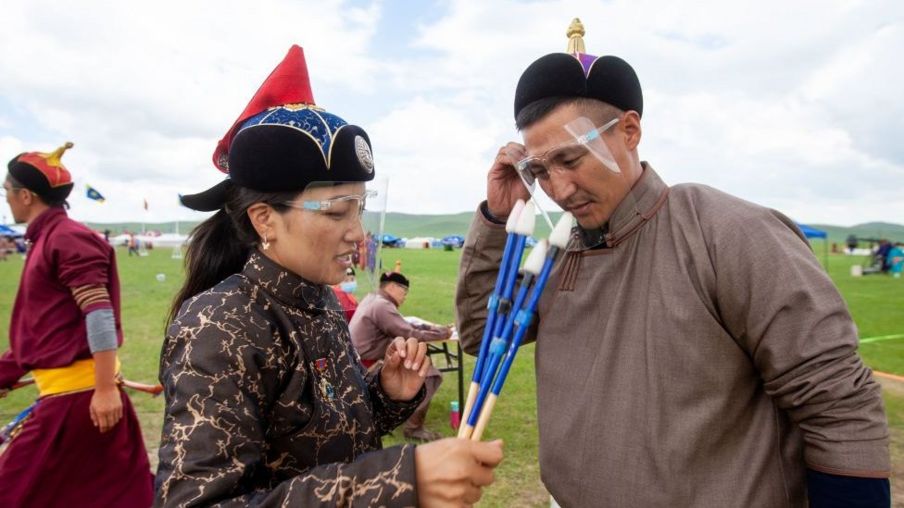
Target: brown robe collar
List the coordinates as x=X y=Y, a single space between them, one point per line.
x=640 y=205
x=387 y=296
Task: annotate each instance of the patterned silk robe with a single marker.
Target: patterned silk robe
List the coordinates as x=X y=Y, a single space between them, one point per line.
x=267 y=403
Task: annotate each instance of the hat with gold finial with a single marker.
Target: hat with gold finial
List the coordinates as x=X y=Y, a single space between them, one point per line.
x=577 y=74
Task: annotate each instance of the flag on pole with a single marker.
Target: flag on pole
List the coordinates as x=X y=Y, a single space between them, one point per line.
x=145 y=204
x=91 y=193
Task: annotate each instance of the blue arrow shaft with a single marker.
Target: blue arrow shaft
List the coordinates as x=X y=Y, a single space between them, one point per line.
x=524 y=320
x=505 y=299
x=9 y=427
x=492 y=307
x=497 y=350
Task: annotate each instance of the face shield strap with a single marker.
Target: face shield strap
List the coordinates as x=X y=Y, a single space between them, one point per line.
x=531 y=189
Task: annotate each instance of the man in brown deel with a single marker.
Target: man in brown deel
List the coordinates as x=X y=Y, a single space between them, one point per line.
x=377 y=322
x=690 y=350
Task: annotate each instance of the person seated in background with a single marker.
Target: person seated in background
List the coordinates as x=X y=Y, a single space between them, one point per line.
x=377 y=322
x=345 y=293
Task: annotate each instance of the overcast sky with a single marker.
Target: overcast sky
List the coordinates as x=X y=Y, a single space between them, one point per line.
x=794 y=105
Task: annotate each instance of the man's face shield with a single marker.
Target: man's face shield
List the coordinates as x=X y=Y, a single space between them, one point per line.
x=336 y=226
x=586 y=141
x=580 y=174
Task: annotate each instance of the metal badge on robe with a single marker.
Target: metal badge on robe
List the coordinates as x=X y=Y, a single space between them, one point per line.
x=326 y=389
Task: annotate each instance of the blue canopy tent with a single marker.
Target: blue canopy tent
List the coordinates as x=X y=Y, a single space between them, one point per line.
x=454 y=240
x=8 y=231
x=811 y=232
x=390 y=240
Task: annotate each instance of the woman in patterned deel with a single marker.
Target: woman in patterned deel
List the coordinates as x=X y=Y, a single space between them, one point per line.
x=267 y=403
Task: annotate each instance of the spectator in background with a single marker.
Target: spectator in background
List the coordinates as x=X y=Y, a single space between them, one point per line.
x=377 y=322
x=133 y=245
x=65 y=329
x=851 y=243
x=896 y=260
x=345 y=293
x=362 y=251
x=882 y=255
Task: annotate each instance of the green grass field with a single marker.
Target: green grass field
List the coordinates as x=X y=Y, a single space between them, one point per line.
x=876 y=302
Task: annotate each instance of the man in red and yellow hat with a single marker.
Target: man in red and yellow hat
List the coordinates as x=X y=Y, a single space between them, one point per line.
x=81 y=444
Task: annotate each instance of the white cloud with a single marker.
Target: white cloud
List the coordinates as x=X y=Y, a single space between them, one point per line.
x=772 y=101
x=794 y=105
x=435 y=155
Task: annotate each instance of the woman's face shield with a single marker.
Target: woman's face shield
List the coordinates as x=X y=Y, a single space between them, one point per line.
x=344 y=209
x=336 y=227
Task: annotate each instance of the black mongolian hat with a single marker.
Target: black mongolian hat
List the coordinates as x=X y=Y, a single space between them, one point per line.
x=576 y=74
x=283 y=142
x=396 y=277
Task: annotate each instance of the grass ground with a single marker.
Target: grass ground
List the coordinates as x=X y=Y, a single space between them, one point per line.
x=876 y=302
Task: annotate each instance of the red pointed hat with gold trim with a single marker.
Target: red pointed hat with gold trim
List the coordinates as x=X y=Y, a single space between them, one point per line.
x=43 y=173
x=283 y=141
x=289 y=83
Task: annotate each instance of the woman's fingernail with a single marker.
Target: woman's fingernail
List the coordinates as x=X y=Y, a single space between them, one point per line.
x=415 y=366
x=408 y=365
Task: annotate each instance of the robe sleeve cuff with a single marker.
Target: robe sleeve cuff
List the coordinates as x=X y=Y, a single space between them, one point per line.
x=865 y=459
x=489 y=217
x=388 y=413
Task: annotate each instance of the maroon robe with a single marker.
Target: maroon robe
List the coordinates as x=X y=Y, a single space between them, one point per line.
x=60 y=458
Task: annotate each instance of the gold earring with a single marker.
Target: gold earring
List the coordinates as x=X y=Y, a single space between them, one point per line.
x=265 y=243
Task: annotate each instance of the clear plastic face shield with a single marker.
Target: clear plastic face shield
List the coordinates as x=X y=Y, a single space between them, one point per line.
x=334 y=228
x=579 y=173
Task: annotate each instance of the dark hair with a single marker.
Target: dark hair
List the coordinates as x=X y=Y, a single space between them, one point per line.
x=220 y=246
x=16 y=184
x=535 y=111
